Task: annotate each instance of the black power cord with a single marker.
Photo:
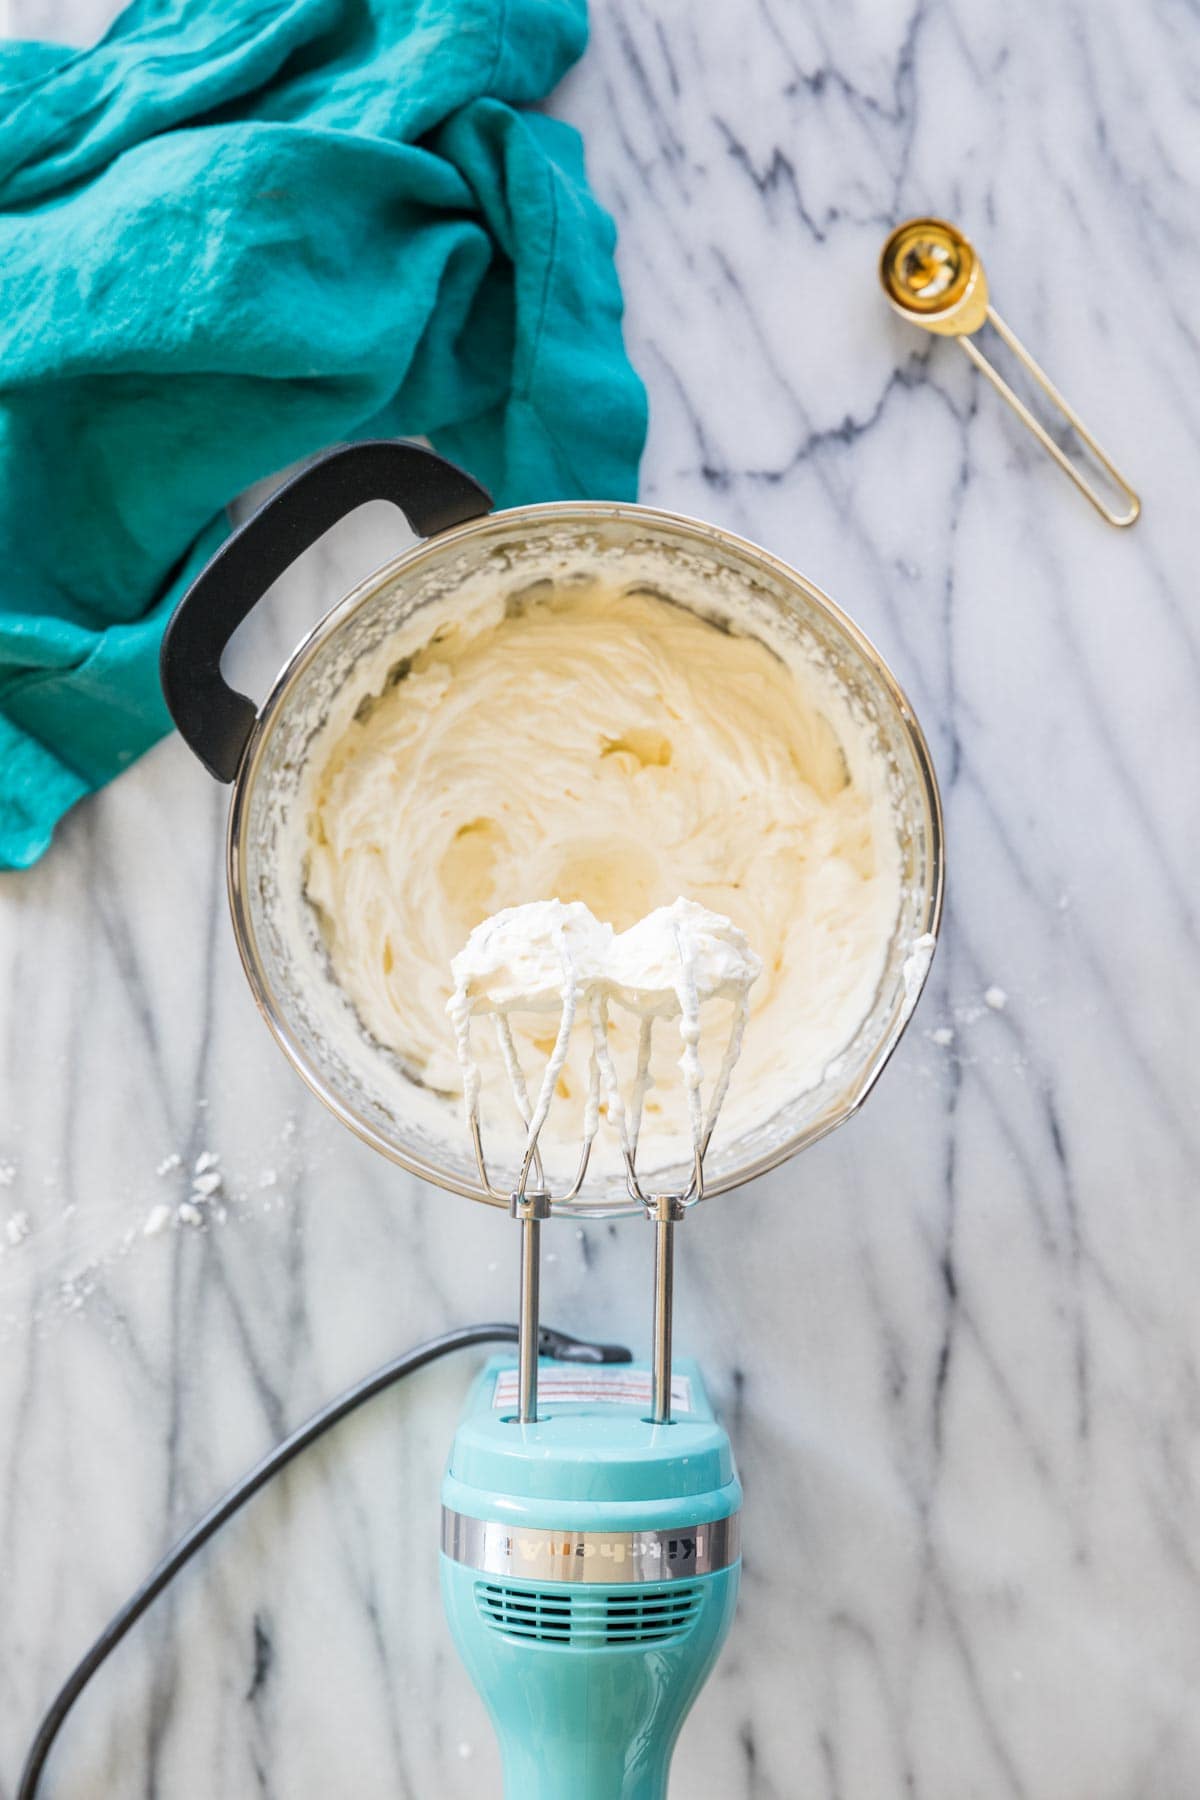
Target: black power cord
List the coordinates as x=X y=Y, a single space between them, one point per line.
x=556 y=1344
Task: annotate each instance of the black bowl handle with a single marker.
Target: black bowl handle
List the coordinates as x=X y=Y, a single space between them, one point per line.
x=214 y=720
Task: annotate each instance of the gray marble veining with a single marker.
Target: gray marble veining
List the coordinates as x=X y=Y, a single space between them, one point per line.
x=957 y=1344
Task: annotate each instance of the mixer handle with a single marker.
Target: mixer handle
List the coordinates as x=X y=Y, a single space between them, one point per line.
x=216 y=721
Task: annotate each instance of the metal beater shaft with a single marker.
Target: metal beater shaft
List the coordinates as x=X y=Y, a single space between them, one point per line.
x=666 y=1210
x=530 y=1209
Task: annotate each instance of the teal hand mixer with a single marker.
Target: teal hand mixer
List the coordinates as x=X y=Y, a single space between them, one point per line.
x=591 y=1516
x=590 y=1563
x=591 y=1545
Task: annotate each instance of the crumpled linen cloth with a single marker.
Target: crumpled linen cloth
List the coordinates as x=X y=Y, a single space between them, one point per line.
x=235 y=232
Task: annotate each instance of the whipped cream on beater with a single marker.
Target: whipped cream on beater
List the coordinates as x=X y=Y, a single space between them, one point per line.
x=548 y=955
x=610 y=748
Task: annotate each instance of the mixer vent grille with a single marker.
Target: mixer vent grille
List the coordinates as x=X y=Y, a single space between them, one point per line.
x=558 y=1616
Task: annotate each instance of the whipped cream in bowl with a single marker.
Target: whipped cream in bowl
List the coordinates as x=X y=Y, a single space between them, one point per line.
x=648 y=729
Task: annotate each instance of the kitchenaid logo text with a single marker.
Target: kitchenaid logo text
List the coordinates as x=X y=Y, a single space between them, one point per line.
x=674 y=1550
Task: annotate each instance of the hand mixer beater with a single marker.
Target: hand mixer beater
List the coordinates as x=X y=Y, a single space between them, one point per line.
x=590 y=1555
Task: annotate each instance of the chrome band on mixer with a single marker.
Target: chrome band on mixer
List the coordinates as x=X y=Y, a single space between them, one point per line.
x=495 y=1548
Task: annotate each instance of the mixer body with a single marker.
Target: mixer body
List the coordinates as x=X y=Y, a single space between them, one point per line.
x=590 y=1566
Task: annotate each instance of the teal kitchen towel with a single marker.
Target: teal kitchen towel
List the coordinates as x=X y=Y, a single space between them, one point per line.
x=237 y=231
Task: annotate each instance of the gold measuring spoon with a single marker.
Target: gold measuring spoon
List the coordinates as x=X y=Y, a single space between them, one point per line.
x=933 y=277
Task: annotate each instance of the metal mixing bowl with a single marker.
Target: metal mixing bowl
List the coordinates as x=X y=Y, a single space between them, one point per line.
x=265 y=752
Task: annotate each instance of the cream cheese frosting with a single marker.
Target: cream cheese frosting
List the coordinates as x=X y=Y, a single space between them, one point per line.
x=606 y=746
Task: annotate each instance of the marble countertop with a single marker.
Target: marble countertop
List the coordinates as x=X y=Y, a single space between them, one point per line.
x=958 y=1343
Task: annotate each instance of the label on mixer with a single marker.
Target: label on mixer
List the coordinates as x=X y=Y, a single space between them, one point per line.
x=614 y=1385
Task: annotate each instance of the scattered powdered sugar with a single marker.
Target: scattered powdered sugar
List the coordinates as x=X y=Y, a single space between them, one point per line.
x=204 y=1197
x=996 y=998
x=207 y=1184
x=944 y=1035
